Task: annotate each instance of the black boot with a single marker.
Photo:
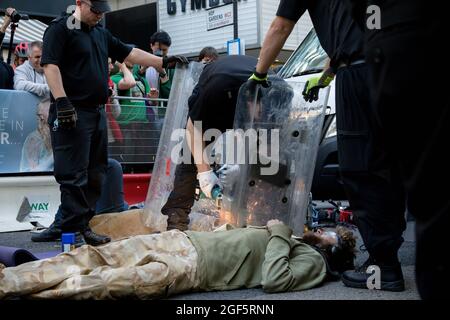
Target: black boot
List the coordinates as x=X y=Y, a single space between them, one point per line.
x=391 y=276
x=94 y=239
x=176 y=221
x=79 y=240
x=50 y=234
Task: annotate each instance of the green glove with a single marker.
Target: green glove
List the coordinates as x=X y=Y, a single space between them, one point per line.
x=259 y=78
x=313 y=85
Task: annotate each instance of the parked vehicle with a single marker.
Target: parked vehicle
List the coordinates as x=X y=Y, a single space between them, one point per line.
x=307 y=61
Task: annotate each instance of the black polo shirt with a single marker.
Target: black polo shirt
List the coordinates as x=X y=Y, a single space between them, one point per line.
x=213 y=100
x=338 y=34
x=395 y=12
x=82 y=57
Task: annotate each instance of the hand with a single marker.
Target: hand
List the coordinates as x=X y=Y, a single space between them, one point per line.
x=228 y=175
x=313 y=86
x=154 y=93
x=273 y=222
x=171 y=62
x=66 y=113
x=9 y=12
x=208 y=180
x=259 y=78
x=7 y=19
x=142 y=70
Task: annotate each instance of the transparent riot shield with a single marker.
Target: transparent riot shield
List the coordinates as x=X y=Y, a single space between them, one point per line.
x=273 y=154
x=170 y=143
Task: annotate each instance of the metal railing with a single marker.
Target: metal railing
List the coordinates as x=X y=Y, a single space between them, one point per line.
x=134 y=129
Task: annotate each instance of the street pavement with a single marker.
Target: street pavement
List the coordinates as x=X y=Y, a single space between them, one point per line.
x=328 y=291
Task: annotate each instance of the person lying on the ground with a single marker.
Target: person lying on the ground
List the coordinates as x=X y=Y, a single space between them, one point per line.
x=171 y=262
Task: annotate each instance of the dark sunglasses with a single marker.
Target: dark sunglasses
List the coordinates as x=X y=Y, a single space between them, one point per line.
x=94 y=11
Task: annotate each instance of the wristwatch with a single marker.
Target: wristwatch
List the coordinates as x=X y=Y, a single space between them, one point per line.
x=162 y=74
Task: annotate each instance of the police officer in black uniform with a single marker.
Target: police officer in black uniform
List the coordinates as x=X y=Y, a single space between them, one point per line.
x=411 y=101
x=214 y=103
x=374 y=192
x=75 y=61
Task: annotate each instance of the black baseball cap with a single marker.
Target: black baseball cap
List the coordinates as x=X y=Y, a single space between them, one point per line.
x=100 y=5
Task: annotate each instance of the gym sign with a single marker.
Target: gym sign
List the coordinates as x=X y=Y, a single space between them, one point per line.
x=172 y=5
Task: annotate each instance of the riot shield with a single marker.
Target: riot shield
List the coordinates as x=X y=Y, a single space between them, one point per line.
x=170 y=143
x=276 y=140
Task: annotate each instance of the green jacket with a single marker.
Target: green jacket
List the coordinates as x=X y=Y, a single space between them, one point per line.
x=164 y=88
x=132 y=110
x=252 y=257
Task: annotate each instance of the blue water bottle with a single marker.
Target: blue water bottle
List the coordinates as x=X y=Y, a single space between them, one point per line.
x=216 y=192
x=68 y=242
x=216 y=195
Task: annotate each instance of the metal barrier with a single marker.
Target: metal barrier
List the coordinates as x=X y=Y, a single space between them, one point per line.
x=134 y=129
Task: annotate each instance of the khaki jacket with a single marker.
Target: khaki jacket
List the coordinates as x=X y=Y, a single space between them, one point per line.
x=251 y=257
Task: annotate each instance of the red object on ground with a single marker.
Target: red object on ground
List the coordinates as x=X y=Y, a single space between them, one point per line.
x=345 y=216
x=135 y=187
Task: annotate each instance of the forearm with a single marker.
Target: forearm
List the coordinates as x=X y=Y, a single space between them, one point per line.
x=196 y=147
x=128 y=76
x=3 y=30
x=277 y=275
x=2 y=36
x=328 y=69
x=38 y=89
x=6 y=22
x=138 y=56
x=128 y=80
x=22 y=83
x=274 y=41
x=54 y=80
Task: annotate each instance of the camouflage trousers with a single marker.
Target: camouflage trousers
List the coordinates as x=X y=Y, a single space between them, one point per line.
x=143 y=267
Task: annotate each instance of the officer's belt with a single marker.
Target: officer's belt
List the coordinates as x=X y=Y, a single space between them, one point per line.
x=354 y=63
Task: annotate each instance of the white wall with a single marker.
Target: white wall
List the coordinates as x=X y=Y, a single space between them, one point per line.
x=124 y=4
x=39 y=189
x=268 y=13
x=188 y=29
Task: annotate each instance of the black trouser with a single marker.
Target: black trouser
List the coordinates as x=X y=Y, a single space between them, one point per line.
x=374 y=190
x=80 y=165
x=182 y=197
x=413 y=107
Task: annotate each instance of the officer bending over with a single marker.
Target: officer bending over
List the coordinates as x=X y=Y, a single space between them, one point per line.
x=213 y=102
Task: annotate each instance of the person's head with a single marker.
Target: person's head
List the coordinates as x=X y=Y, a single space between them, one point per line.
x=337 y=247
x=208 y=55
x=21 y=53
x=35 y=54
x=160 y=43
x=91 y=11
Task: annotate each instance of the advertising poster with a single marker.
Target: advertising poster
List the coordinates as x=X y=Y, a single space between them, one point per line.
x=24 y=134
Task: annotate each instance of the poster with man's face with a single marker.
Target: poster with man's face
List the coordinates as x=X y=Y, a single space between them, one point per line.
x=18 y=120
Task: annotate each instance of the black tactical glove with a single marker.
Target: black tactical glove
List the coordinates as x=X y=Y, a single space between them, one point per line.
x=171 y=62
x=65 y=113
x=259 y=78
